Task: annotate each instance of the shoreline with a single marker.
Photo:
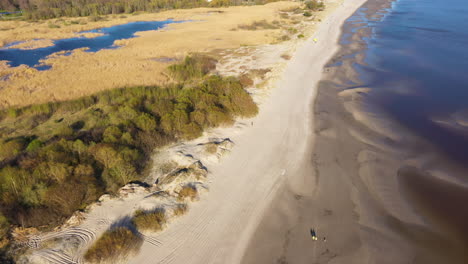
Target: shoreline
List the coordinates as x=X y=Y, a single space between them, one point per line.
x=284 y=234
x=369 y=198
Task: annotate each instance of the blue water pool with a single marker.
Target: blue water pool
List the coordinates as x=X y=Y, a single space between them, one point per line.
x=16 y=57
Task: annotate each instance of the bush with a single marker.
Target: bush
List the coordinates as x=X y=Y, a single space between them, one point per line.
x=195 y=66
x=188 y=191
x=315 y=5
x=307 y=14
x=150 y=220
x=10 y=149
x=114 y=245
x=180 y=209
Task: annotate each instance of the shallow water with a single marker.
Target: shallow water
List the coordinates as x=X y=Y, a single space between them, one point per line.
x=414 y=59
x=417 y=64
x=32 y=57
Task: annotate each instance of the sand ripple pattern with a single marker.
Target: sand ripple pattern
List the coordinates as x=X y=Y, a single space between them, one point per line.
x=83 y=236
x=56 y=257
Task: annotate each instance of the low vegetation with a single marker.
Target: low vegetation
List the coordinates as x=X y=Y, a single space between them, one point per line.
x=115 y=244
x=315 y=5
x=180 y=209
x=193 y=67
x=153 y=220
x=258 y=25
x=59 y=157
x=211 y=148
x=43 y=9
x=188 y=191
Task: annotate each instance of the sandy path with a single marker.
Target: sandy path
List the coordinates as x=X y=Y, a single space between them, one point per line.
x=218 y=228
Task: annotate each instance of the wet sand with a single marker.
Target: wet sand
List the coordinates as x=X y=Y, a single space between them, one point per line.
x=359 y=186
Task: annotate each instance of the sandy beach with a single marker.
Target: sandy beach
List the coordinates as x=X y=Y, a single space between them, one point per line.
x=270 y=152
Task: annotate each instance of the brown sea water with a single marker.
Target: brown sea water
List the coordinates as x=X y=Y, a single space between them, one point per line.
x=410 y=60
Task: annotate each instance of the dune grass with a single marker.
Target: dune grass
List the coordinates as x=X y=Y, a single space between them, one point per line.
x=188 y=191
x=114 y=244
x=153 y=220
x=315 y=5
x=180 y=209
x=193 y=67
x=211 y=148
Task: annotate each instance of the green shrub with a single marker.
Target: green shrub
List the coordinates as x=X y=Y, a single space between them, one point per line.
x=145 y=122
x=13 y=113
x=292 y=30
x=114 y=245
x=307 y=14
x=150 y=220
x=195 y=66
x=10 y=149
x=112 y=134
x=315 y=5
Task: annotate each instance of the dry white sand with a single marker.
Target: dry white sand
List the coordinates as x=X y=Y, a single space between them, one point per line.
x=218 y=228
